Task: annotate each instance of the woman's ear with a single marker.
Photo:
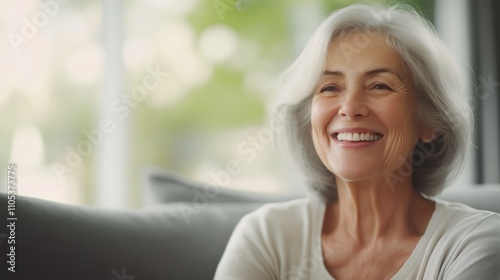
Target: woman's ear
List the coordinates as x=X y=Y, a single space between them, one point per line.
x=427 y=134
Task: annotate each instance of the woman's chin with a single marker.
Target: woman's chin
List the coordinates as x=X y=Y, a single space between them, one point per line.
x=354 y=171
x=351 y=176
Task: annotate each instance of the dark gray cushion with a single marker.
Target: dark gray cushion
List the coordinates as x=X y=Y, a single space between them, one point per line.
x=482 y=197
x=175 y=241
x=163 y=186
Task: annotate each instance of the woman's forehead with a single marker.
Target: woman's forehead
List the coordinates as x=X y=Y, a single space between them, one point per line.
x=364 y=51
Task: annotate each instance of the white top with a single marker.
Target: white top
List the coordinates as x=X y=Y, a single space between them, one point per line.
x=283 y=241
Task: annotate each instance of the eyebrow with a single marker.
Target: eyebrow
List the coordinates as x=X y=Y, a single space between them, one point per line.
x=369 y=73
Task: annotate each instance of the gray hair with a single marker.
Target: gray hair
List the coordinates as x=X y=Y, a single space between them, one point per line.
x=440 y=87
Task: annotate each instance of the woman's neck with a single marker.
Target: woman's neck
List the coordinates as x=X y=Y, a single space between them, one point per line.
x=369 y=210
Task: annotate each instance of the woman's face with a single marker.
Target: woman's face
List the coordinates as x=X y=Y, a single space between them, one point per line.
x=363 y=114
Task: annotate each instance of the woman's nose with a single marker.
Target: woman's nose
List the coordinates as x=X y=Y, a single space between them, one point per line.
x=353 y=105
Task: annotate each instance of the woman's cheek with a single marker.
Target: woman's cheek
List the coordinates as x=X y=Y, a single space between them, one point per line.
x=398 y=115
x=320 y=145
x=402 y=137
x=321 y=116
x=321 y=112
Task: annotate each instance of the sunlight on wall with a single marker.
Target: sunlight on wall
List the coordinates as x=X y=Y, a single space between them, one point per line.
x=34 y=177
x=218 y=43
x=182 y=57
x=138 y=51
x=85 y=64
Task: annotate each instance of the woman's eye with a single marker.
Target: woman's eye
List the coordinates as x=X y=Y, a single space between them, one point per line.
x=329 y=88
x=381 y=86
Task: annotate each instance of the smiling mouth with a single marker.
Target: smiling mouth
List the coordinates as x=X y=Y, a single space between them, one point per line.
x=357 y=136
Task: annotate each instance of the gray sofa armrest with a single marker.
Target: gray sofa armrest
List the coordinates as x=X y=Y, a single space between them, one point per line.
x=175 y=241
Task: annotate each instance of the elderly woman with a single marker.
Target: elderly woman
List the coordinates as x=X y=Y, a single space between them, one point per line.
x=376 y=115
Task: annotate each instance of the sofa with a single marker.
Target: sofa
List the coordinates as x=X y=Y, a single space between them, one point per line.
x=180 y=233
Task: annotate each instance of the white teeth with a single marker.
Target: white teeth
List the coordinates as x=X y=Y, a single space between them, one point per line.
x=358 y=136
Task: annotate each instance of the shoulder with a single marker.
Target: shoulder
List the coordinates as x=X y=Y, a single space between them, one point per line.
x=472 y=241
x=466 y=219
x=281 y=216
x=279 y=225
x=272 y=240
x=455 y=222
x=463 y=230
x=296 y=207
